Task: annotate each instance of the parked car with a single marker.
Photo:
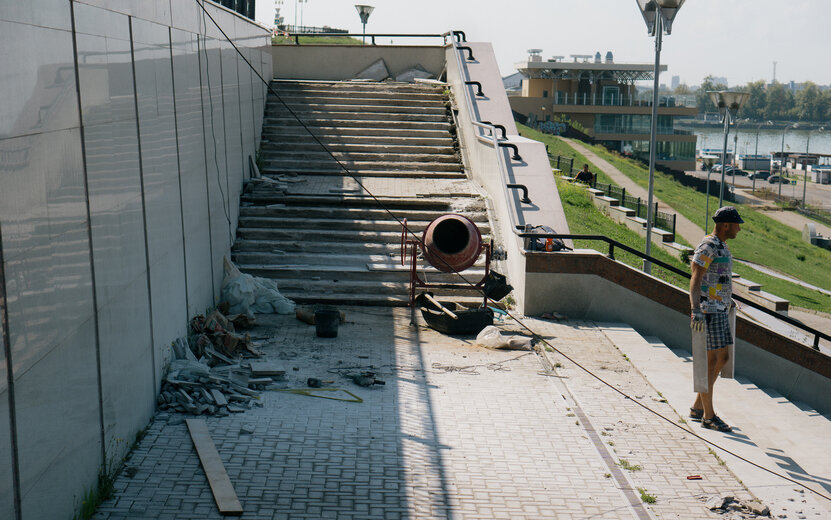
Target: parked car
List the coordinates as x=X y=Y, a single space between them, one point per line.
x=736 y=172
x=759 y=175
x=776 y=179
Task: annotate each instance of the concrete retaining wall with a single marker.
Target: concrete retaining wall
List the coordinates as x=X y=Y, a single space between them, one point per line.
x=584 y=284
x=338 y=62
x=116 y=207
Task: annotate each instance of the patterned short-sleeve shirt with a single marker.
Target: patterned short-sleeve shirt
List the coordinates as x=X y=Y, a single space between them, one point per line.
x=717 y=284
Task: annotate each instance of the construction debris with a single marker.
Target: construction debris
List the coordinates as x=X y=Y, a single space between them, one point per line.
x=411 y=74
x=246 y=294
x=378 y=71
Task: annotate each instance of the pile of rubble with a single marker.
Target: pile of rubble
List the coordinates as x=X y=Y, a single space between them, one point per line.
x=216 y=371
x=733 y=508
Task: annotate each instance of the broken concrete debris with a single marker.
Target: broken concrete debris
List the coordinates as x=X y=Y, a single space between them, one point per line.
x=246 y=294
x=212 y=373
x=411 y=74
x=378 y=71
x=727 y=504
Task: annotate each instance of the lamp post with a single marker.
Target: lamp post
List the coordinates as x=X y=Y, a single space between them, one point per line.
x=658 y=16
x=805 y=170
x=364 y=11
x=756 y=153
x=728 y=104
x=782 y=157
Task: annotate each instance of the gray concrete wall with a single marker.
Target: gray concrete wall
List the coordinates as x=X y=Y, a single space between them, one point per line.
x=116 y=207
x=591 y=287
x=337 y=62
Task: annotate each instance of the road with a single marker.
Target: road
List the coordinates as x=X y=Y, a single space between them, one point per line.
x=818 y=195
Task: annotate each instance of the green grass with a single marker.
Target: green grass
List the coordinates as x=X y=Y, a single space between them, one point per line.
x=762 y=240
x=584 y=218
x=646 y=497
x=320 y=40
x=557 y=146
x=625 y=464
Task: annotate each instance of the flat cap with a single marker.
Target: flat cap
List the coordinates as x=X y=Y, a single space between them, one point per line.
x=727 y=214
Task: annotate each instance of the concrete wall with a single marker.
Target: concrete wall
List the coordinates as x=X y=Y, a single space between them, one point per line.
x=584 y=284
x=337 y=62
x=124 y=135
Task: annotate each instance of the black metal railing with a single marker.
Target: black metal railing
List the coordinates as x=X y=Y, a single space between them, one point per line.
x=565 y=164
x=611 y=255
x=458 y=36
x=660 y=219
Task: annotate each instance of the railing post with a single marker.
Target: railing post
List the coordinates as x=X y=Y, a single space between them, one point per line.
x=611 y=251
x=623 y=196
x=674 y=217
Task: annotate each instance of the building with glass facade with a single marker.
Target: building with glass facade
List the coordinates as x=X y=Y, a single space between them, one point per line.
x=601 y=96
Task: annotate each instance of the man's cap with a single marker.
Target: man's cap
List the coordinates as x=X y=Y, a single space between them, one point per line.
x=727 y=214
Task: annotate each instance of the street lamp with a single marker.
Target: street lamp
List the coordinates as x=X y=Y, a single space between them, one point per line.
x=728 y=104
x=658 y=16
x=782 y=157
x=364 y=11
x=805 y=170
x=756 y=153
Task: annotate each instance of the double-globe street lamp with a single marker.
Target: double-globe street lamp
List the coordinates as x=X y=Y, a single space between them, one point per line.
x=805 y=166
x=782 y=158
x=756 y=153
x=728 y=104
x=658 y=15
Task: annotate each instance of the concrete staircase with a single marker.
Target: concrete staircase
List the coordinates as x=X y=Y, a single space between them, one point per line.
x=314 y=230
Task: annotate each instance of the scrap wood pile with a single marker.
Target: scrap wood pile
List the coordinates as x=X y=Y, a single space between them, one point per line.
x=216 y=371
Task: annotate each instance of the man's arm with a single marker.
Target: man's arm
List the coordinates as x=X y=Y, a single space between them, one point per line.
x=695 y=285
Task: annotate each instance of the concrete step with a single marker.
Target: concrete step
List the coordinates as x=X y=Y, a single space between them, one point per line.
x=310 y=145
x=356 y=142
x=360 y=131
x=346 y=87
x=447 y=204
x=242 y=245
x=391 y=155
x=364 y=292
x=337 y=224
x=339 y=172
x=359 y=165
x=327 y=98
x=323 y=236
x=389 y=124
x=380 y=261
x=273 y=117
x=311 y=212
x=377 y=273
x=382 y=110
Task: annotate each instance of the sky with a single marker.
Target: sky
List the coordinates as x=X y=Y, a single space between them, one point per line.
x=736 y=39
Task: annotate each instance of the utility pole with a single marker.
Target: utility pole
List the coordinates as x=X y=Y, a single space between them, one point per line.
x=774 y=72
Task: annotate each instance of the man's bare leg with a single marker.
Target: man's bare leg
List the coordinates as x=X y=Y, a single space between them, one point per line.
x=716 y=359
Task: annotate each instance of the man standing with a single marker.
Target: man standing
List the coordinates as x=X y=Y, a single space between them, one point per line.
x=711 y=292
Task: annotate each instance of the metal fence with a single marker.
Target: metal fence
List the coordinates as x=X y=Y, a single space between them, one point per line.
x=565 y=164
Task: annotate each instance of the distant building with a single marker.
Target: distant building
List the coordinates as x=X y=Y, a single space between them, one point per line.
x=720 y=80
x=603 y=98
x=513 y=83
x=676 y=80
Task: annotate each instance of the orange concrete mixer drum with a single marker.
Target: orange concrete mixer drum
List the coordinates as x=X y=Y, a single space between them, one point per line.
x=452 y=243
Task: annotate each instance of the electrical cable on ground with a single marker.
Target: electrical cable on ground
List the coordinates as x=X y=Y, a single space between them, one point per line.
x=509 y=314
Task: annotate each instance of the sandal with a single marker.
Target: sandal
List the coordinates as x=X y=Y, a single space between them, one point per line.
x=696 y=414
x=716 y=424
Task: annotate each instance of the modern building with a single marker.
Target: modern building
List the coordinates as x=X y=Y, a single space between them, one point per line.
x=602 y=97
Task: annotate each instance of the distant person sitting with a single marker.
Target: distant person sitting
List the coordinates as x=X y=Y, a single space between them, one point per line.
x=585 y=175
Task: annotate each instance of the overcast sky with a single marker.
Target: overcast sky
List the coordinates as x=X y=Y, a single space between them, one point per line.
x=736 y=39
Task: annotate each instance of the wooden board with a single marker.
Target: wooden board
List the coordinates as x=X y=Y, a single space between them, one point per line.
x=267 y=368
x=221 y=487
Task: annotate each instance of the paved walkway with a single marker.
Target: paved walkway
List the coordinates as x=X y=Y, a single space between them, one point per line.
x=459 y=432
x=691 y=232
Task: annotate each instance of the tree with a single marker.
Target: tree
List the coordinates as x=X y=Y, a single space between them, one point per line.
x=808 y=103
x=702 y=98
x=682 y=89
x=779 y=104
x=754 y=107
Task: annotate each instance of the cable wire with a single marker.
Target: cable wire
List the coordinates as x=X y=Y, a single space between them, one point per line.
x=509 y=314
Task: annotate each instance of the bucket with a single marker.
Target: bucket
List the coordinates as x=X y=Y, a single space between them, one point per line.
x=326 y=323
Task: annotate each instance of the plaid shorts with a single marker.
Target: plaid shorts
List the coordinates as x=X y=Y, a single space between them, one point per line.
x=718 y=330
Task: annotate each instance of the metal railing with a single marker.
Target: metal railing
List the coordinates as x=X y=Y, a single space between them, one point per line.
x=459 y=35
x=596 y=99
x=611 y=255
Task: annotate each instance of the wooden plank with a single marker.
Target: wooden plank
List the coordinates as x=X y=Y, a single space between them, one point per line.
x=267 y=368
x=221 y=487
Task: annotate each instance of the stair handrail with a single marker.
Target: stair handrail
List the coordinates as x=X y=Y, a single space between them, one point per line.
x=492 y=139
x=611 y=255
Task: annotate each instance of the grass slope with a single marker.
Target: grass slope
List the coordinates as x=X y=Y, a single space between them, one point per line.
x=559 y=147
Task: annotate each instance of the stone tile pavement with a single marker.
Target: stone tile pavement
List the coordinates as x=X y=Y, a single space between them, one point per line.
x=458 y=431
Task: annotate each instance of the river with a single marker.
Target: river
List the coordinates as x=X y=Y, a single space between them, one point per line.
x=769 y=140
